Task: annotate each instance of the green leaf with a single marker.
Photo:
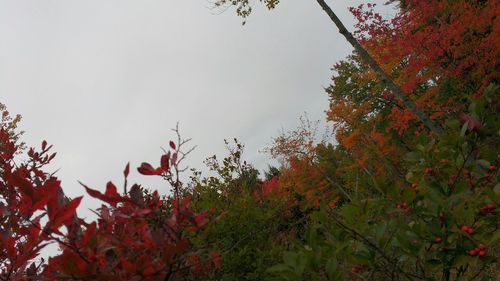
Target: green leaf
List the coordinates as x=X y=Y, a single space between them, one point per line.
x=380 y=231
x=409 y=195
x=350 y=212
x=290 y=259
x=278 y=268
x=464 y=129
x=463 y=260
x=412 y=156
x=331 y=270
x=452 y=123
x=403 y=241
x=483 y=163
x=312 y=236
x=434 y=264
x=494 y=239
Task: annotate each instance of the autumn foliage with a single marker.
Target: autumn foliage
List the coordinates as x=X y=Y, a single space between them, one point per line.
x=388 y=199
x=28 y=195
x=137 y=236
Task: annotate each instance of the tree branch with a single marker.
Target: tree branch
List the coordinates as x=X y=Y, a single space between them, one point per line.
x=367 y=58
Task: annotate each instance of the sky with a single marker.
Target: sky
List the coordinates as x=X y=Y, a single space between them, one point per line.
x=106 y=81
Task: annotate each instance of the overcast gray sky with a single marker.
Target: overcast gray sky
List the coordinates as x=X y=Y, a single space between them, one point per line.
x=106 y=80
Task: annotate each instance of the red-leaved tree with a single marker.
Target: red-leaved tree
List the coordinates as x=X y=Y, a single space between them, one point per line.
x=28 y=196
x=138 y=234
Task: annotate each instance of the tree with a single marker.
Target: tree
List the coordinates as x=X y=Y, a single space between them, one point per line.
x=440 y=224
x=243 y=9
x=438 y=51
x=28 y=196
x=10 y=124
x=256 y=225
x=137 y=236
x=429 y=215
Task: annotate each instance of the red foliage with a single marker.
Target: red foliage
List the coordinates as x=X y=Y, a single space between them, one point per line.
x=430 y=43
x=270 y=185
x=28 y=195
x=137 y=236
x=472 y=123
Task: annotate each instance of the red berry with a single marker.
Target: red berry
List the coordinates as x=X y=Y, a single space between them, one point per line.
x=398 y=206
x=487 y=175
x=405 y=205
x=354 y=269
x=481 y=246
x=490 y=207
x=482 y=253
x=472 y=252
x=470 y=231
x=414 y=185
x=429 y=171
x=444 y=161
x=492 y=168
x=438 y=239
x=465 y=228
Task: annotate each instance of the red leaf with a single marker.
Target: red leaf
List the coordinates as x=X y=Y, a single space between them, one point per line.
x=149 y=270
x=158 y=171
x=142 y=212
x=10 y=247
x=25 y=205
x=52 y=156
x=46 y=193
x=105 y=215
x=136 y=195
x=111 y=190
x=55 y=203
x=127 y=170
x=172 y=145
x=164 y=161
x=66 y=212
x=216 y=259
x=200 y=218
x=185 y=202
x=89 y=230
x=181 y=245
x=44 y=145
x=24 y=185
x=148 y=170
x=472 y=123
x=175 y=208
x=94 y=193
x=111 y=196
x=127 y=266
x=174 y=159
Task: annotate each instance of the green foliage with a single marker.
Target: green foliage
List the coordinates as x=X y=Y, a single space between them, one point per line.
x=243 y=7
x=247 y=235
x=10 y=123
x=416 y=231
x=271 y=172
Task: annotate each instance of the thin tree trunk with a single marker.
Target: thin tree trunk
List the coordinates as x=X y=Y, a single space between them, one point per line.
x=367 y=58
